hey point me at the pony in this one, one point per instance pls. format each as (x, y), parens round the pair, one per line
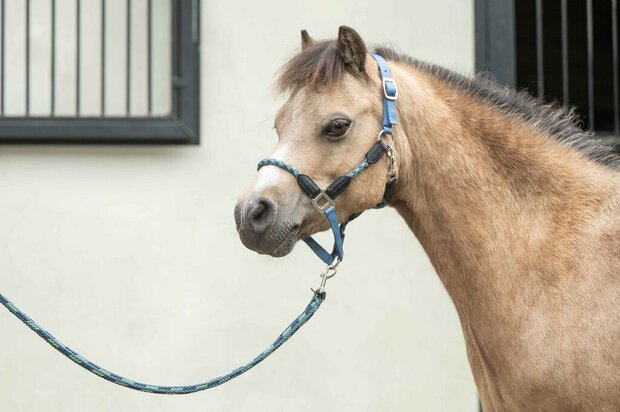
(514, 204)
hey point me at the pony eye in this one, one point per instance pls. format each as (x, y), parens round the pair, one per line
(337, 128)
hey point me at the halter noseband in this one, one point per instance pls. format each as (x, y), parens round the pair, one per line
(324, 200)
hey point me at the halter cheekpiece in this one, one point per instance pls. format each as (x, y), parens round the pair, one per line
(323, 200)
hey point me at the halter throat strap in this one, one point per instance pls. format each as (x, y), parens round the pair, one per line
(324, 200)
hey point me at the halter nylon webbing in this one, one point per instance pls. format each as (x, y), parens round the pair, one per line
(390, 94)
(328, 196)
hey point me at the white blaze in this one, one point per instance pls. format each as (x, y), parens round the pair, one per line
(273, 176)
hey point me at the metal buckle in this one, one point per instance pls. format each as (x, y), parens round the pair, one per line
(387, 95)
(327, 202)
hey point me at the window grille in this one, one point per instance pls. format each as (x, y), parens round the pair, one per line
(561, 50)
(99, 71)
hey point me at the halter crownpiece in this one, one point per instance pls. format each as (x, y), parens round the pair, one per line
(323, 200)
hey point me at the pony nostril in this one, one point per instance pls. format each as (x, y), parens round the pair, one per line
(261, 213)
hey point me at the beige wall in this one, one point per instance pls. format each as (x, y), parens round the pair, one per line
(130, 256)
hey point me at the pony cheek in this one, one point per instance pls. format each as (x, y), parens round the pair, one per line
(313, 222)
(363, 194)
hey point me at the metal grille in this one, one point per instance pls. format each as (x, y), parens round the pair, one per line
(561, 50)
(99, 71)
(568, 51)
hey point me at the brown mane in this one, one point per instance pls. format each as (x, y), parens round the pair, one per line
(320, 65)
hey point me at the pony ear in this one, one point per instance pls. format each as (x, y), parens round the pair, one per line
(306, 40)
(351, 48)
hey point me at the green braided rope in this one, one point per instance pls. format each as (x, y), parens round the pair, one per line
(295, 172)
(297, 323)
(281, 164)
(358, 169)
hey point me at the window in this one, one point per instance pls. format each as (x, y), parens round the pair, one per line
(103, 71)
(561, 50)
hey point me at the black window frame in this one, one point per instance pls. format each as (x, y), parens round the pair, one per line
(495, 40)
(182, 126)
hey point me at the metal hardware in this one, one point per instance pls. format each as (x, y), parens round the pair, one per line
(392, 158)
(326, 202)
(383, 133)
(329, 273)
(392, 82)
(389, 152)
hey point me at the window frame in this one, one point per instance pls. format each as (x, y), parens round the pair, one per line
(496, 39)
(182, 126)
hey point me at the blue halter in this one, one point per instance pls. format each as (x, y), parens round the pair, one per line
(324, 200)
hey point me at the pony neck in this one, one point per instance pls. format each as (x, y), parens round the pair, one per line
(486, 193)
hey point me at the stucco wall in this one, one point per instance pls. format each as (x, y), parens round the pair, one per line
(130, 255)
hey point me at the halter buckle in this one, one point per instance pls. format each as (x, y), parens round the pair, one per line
(390, 90)
(322, 202)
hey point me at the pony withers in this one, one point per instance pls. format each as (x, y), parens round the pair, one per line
(513, 203)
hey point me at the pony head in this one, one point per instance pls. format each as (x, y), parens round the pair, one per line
(332, 117)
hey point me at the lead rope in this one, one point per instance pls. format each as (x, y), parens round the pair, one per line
(297, 323)
(323, 201)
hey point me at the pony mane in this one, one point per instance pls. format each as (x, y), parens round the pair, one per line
(317, 65)
(320, 65)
